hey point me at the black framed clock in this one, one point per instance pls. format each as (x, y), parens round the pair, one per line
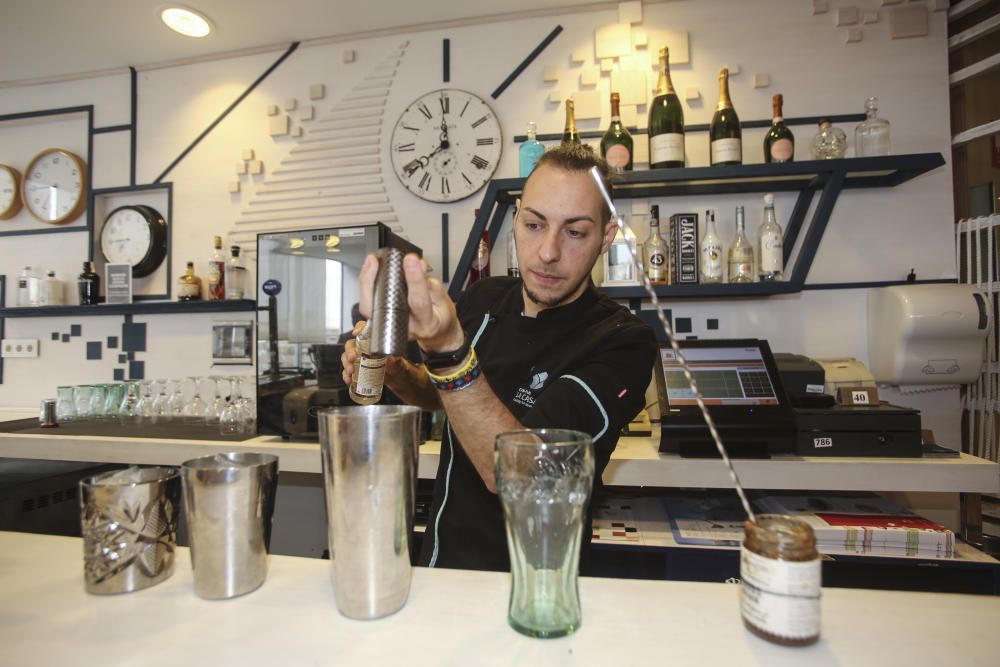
(446, 145)
(136, 235)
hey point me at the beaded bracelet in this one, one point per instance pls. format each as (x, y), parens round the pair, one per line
(459, 379)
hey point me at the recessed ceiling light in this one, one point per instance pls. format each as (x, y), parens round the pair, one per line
(186, 21)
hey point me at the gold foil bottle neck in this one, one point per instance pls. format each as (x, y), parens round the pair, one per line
(724, 101)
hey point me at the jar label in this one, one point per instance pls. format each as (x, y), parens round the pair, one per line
(666, 148)
(371, 376)
(617, 156)
(782, 149)
(781, 597)
(727, 150)
(771, 252)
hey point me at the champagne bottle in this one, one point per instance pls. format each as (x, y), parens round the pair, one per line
(616, 146)
(570, 134)
(666, 121)
(711, 252)
(530, 152)
(740, 253)
(770, 241)
(369, 371)
(779, 142)
(725, 133)
(655, 251)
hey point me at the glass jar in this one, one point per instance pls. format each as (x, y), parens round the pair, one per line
(780, 570)
(871, 136)
(829, 143)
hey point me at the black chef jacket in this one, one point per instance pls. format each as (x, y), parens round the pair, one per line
(582, 366)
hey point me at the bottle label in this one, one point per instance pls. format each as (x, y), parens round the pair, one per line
(771, 252)
(617, 156)
(781, 597)
(657, 269)
(188, 290)
(727, 150)
(371, 376)
(711, 260)
(666, 148)
(740, 268)
(216, 283)
(782, 150)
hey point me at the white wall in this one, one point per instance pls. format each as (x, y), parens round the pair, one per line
(873, 235)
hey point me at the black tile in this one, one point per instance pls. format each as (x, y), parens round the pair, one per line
(119, 374)
(75, 330)
(134, 336)
(682, 325)
(130, 356)
(712, 324)
(137, 370)
(93, 350)
(65, 338)
(55, 335)
(122, 358)
(690, 338)
(112, 342)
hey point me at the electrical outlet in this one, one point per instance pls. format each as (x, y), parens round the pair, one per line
(19, 347)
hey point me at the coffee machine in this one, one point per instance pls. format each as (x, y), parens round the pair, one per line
(307, 306)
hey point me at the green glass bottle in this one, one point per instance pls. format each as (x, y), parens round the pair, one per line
(666, 121)
(779, 142)
(570, 134)
(725, 133)
(616, 145)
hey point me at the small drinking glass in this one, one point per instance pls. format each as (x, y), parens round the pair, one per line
(544, 478)
(161, 404)
(145, 405)
(175, 403)
(195, 406)
(218, 403)
(230, 420)
(65, 406)
(128, 410)
(113, 399)
(98, 396)
(81, 398)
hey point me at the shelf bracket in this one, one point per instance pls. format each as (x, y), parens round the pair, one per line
(820, 217)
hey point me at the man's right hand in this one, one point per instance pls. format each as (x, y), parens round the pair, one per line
(350, 354)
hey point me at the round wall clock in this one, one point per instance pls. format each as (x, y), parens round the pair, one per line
(10, 192)
(55, 186)
(446, 145)
(135, 235)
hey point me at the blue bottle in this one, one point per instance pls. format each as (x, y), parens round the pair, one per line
(530, 151)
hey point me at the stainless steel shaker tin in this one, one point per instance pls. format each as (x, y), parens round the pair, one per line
(390, 310)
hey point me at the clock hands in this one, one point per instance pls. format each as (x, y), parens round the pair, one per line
(413, 165)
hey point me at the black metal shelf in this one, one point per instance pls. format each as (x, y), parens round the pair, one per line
(828, 177)
(137, 308)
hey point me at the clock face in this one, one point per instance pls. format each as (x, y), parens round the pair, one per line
(10, 192)
(446, 145)
(134, 235)
(54, 188)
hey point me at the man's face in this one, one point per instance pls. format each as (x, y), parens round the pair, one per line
(560, 234)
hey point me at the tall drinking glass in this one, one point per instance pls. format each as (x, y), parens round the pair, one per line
(113, 400)
(65, 405)
(98, 396)
(81, 397)
(128, 410)
(544, 478)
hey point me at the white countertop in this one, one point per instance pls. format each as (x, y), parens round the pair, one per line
(452, 617)
(635, 462)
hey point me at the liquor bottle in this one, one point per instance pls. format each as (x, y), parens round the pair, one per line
(740, 253)
(481, 263)
(655, 252)
(779, 142)
(217, 272)
(725, 133)
(88, 284)
(711, 252)
(530, 152)
(770, 242)
(513, 270)
(829, 143)
(235, 274)
(27, 288)
(871, 136)
(570, 134)
(369, 371)
(616, 145)
(666, 121)
(51, 293)
(189, 285)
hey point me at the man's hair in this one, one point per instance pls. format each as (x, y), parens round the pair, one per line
(579, 157)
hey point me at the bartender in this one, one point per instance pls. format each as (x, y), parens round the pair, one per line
(545, 350)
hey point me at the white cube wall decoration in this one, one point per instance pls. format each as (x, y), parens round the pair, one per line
(629, 115)
(240, 168)
(290, 104)
(607, 64)
(640, 38)
(349, 55)
(630, 12)
(234, 186)
(734, 69)
(640, 150)
(556, 96)
(847, 16)
(852, 35)
(278, 125)
(296, 131)
(869, 17)
(821, 6)
(317, 91)
(588, 104)
(692, 94)
(761, 80)
(550, 74)
(246, 154)
(255, 167)
(630, 85)
(590, 75)
(941, 5)
(908, 22)
(613, 40)
(675, 40)
(580, 55)
(272, 109)
(307, 112)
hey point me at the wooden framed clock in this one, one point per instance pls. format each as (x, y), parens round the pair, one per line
(446, 145)
(10, 192)
(54, 188)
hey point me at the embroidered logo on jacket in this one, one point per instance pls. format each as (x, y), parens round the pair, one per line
(526, 395)
(537, 380)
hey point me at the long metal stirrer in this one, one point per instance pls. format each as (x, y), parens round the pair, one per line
(648, 286)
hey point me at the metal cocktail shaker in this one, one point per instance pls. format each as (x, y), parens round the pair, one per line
(369, 470)
(390, 310)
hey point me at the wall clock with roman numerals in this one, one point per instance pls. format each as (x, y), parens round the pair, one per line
(446, 145)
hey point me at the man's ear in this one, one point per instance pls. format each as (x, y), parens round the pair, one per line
(610, 230)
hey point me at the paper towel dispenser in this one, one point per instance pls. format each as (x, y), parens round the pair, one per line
(927, 334)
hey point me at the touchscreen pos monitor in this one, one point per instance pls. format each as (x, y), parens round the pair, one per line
(739, 384)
